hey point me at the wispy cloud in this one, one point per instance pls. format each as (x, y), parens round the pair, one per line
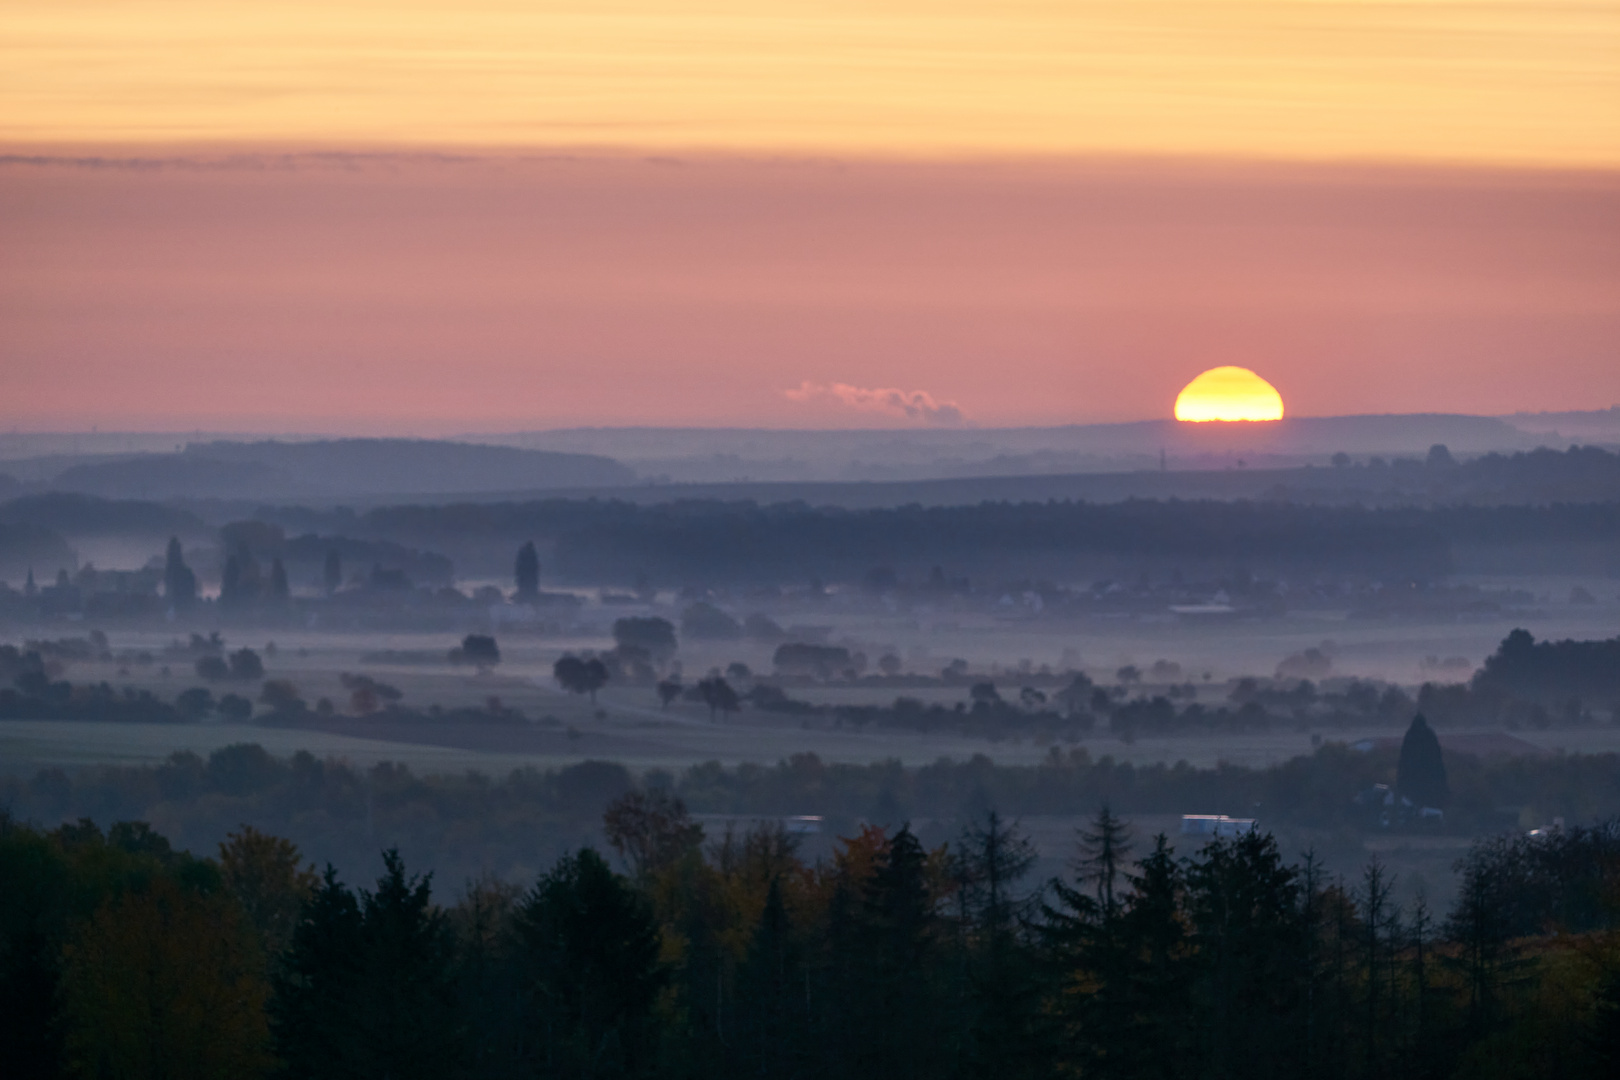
(907, 404)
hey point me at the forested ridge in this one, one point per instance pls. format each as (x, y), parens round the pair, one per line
(466, 824)
(733, 956)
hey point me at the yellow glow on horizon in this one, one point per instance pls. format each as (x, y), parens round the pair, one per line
(1476, 81)
(1228, 393)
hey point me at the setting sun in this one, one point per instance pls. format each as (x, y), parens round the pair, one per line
(1229, 393)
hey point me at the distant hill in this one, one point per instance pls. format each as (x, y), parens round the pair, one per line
(338, 468)
(81, 516)
(1536, 478)
(724, 455)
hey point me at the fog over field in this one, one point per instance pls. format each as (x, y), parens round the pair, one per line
(1205, 611)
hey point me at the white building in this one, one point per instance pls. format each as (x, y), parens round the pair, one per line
(1217, 825)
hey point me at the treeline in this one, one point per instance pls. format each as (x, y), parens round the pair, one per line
(1527, 683)
(121, 957)
(469, 824)
(685, 541)
(1018, 710)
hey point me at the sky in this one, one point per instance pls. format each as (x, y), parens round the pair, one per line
(416, 217)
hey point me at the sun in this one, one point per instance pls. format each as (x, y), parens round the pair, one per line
(1229, 393)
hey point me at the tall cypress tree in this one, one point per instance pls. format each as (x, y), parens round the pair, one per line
(527, 572)
(1421, 773)
(179, 583)
(279, 589)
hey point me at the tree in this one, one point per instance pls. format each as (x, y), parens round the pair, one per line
(580, 676)
(242, 581)
(368, 990)
(332, 572)
(1002, 992)
(407, 1013)
(651, 830)
(896, 939)
(313, 1011)
(1077, 695)
(163, 982)
(527, 573)
(705, 621)
(668, 691)
(1244, 907)
(653, 635)
(179, 582)
(212, 668)
(264, 874)
(245, 665)
(771, 992)
(367, 695)
(1421, 773)
(281, 696)
(1104, 851)
(718, 695)
(479, 650)
(279, 589)
(590, 948)
(984, 694)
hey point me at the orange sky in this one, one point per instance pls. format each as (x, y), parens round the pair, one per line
(800, 213)
(398, 294)
(1514, 81)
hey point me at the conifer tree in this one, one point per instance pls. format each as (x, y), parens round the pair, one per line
(407, 1011)
(1002, 992)
(279, 589)
(179, 583)
(771, 995)
(1420, 774)
(311, 1013)
(590, 948)
(527, 572)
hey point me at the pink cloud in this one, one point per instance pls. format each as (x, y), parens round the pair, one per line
(909, 404)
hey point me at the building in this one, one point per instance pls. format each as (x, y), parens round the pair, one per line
(1217, 825)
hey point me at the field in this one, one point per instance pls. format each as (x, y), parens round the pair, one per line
(626, 724)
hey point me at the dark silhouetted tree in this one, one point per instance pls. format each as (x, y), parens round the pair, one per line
(212, 668)
(367, 988)
(1002, 994)
(479, 650)
(580, 676)
(527, 573)
(279, 589)
(590, 948)
(770, 994)
(653, 635)
(707, 622)
(332, 572)
(246, 665)
(1421, 772)
(312, 1014)
(718, 695)
(179, 583)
